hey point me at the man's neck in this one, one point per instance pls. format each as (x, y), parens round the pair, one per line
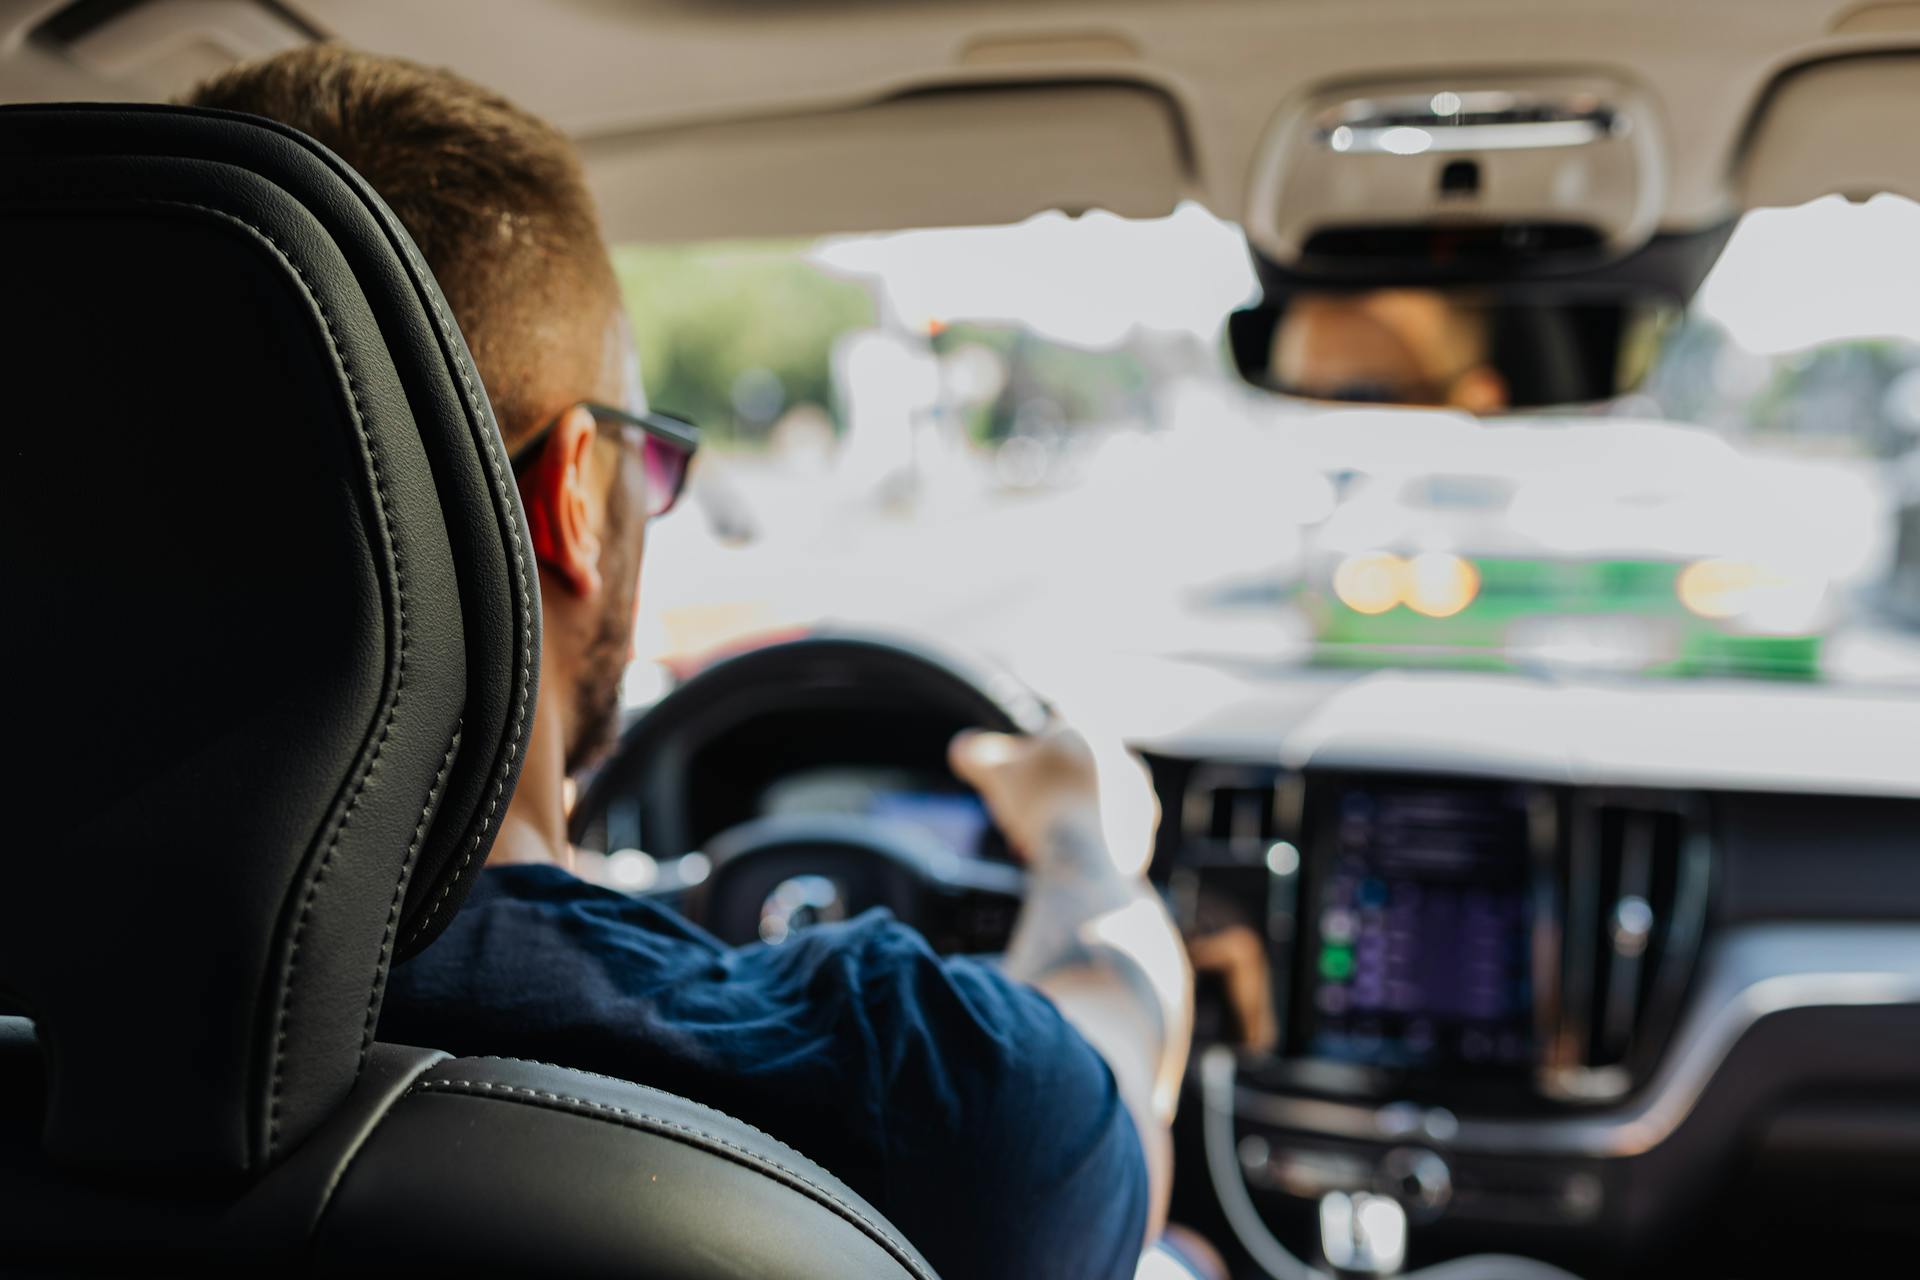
(534, 828)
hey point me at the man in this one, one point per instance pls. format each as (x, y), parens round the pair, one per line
(1011, 1121)
(1388, 346)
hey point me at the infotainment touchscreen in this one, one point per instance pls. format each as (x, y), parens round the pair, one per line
(1418, 929)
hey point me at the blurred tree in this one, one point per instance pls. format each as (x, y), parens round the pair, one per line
(1836, 392)
(710, 319)
(1078, 386)
(1832, 395)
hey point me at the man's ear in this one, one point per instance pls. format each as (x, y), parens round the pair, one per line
(558, 493)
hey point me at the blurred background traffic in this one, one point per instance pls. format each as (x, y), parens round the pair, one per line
(1000, 437)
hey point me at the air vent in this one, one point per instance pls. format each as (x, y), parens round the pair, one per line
(1636, 900)
(1238, 810)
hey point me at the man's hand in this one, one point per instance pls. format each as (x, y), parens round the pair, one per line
(1092, 933)
(1034, 787)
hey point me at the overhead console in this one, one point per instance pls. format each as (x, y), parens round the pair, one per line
(1489, 243)
(1494, 167)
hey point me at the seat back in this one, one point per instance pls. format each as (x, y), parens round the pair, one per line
(273, 623)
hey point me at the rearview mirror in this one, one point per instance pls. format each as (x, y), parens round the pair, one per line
(1477, 349)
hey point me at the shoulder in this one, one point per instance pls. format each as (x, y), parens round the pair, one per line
(545, 898)
(535, 946)
(955, 1098)
(1006, 1137)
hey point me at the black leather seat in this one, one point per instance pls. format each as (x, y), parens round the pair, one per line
(272, 630)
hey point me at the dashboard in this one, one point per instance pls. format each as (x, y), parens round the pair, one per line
(931, 803)
(1598, 973)
(1464, 936)
(1596, 1021)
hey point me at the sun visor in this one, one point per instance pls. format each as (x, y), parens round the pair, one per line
(1843, 127)
(972, 156)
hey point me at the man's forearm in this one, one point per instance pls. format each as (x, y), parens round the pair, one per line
(1100, 943)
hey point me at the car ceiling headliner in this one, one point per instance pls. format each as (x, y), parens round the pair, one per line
(608, 70)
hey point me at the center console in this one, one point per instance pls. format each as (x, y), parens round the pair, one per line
(1423, 942)
(1465, 975)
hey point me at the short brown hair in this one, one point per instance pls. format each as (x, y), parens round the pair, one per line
(495, 198)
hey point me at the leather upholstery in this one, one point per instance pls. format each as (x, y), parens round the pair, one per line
(487, 1166)
(271, 585)
(616, 1171)
(62, 1218)
(273, 629)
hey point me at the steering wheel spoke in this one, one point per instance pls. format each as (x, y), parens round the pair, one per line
(785, 707)
(774, 876)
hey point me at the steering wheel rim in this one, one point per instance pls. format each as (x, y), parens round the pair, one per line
(956, 901)
(971, 691)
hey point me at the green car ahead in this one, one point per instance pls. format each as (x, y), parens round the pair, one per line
(1516, 557)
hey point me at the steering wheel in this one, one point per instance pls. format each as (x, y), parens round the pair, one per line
(771, 876)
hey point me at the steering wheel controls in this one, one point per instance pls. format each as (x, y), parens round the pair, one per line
(797, 903)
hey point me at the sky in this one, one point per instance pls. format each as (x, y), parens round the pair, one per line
(1825, 271)
(1789, 278)
(1086, 281)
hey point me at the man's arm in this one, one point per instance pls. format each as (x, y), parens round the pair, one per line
(1092, 935)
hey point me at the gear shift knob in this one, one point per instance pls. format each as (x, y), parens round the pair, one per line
(1363, 1234)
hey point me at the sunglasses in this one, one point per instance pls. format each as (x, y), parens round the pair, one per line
(667, 445)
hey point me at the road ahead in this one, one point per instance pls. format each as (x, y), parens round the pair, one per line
(1129, 567)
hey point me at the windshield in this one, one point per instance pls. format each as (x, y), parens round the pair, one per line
(1028, 440)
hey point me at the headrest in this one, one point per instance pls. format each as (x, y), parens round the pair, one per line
(272, 625)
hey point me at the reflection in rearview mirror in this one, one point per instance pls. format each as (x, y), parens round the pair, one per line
(1457, 348)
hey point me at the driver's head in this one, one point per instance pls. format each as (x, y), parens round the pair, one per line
(498, 204)
(1388, 346)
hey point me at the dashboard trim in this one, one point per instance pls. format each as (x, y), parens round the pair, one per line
(1747, 975)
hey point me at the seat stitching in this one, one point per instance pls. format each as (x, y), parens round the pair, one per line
(345, 1168)
(741, 1154)
(400, 675)
(614, 1080)
(490, 446)
(400, 891)
(455, 351)
(358, 411)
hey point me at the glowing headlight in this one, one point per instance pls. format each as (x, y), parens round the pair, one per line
(1440, 584)
(1372, 581)
(1758, 598)
(1717, 588)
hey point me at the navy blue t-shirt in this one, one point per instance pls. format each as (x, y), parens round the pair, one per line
(955, 1100)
